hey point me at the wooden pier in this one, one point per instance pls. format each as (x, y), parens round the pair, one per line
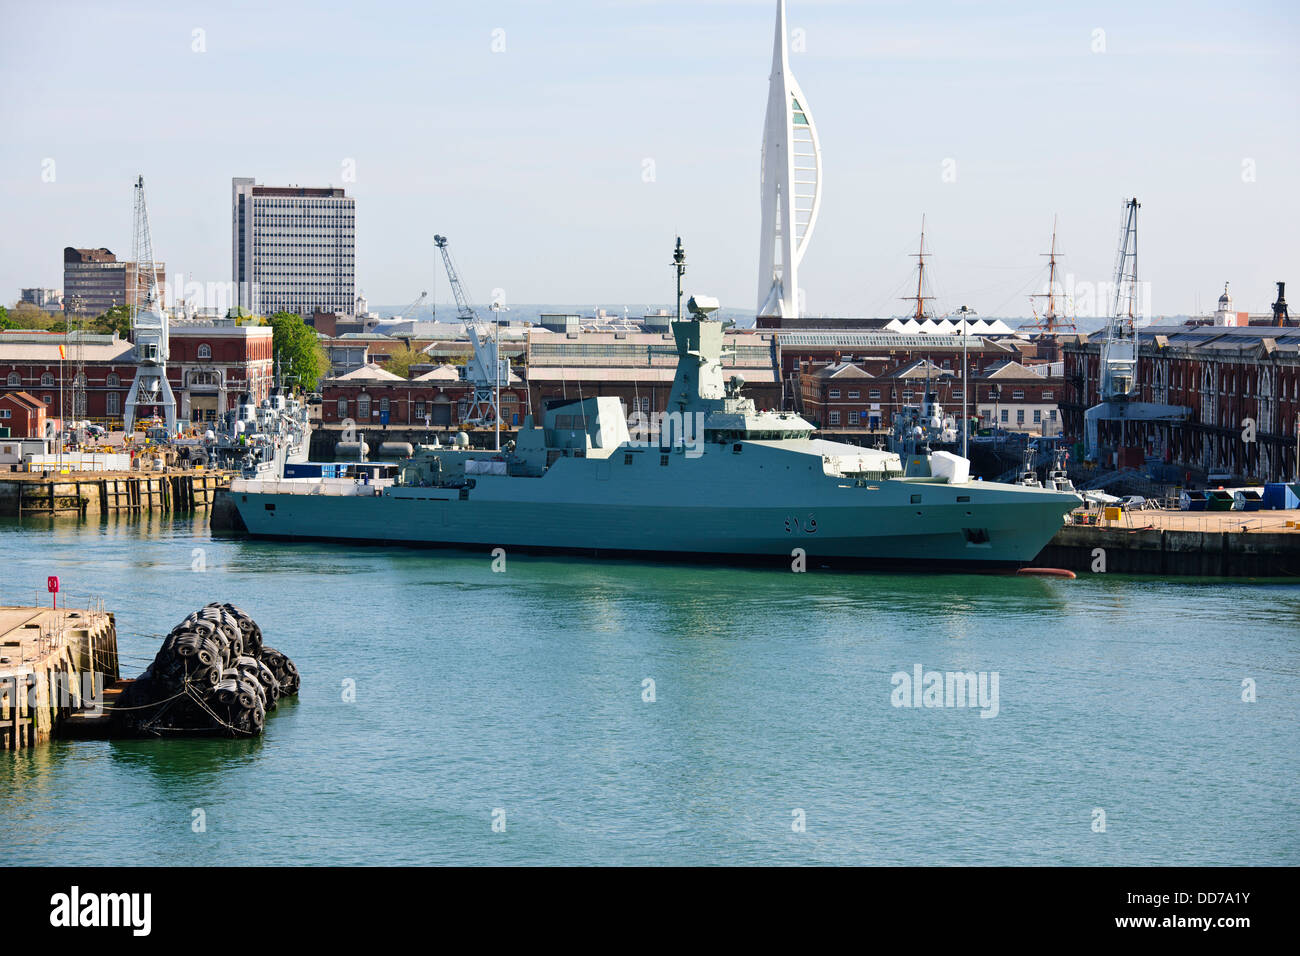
(84, 493)
(54, 665)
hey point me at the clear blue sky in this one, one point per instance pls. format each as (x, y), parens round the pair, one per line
(532, 159)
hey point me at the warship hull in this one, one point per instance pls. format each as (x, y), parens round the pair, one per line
(605, 507)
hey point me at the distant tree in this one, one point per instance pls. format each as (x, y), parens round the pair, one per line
(298, 348)
(5, 321)
(116, 320)
(400, 362)
(24, 315)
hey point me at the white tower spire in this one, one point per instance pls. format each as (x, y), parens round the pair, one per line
(791, 184)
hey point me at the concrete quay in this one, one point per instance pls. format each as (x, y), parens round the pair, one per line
(54, 665)
(1227, 544)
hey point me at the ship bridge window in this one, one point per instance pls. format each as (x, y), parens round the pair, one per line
(627, 458)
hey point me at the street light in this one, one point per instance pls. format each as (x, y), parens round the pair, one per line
(996, 392)
(965, 314)
(497, 309)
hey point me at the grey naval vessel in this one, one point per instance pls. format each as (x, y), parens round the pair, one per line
(722, 480)
(259, 440)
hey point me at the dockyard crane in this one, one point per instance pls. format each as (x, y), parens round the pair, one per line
(486, 370)
(1117, 378)
(410, 309)
(149, 328)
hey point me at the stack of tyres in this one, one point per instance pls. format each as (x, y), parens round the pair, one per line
(212, 675)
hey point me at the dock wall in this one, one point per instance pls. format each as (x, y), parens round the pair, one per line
(1229, 554)
(53, 666)
(92, 493)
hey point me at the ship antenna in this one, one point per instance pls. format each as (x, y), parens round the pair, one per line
(679, 264)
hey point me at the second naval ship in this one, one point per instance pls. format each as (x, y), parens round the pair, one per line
(721, 481)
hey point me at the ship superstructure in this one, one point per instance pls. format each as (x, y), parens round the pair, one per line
(260, 439)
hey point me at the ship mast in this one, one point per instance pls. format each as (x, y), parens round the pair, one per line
(1050, 323)
(918, 313)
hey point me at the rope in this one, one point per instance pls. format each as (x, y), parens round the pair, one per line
(157, 703)
(206, 709)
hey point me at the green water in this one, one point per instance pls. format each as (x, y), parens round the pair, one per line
(523, 692)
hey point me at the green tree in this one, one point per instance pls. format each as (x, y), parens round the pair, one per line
(24, 315)
(5, 321)
(400, 361)
(115, 320)
(298, 349)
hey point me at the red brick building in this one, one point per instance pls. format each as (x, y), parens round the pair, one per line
(209, 368)
(22, 414)
(372, 396)
(881, 352)
(1006, 394)
(1242, 385)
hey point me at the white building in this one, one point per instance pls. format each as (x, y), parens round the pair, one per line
(1224, 315)
(49, 299)
(292, 248)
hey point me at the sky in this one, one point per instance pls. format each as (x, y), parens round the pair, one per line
(563, 146)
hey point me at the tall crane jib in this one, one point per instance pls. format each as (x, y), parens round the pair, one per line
(1119, 351)
(485, 371)
(149, 329)
(1135, 425)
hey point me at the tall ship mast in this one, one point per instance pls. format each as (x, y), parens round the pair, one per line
(920, 311)
(1053, 320)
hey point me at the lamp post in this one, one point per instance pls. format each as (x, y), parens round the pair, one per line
(497, 309)
(965, 314)
(996, 390)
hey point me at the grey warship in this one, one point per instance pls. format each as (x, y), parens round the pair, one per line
(722, 481)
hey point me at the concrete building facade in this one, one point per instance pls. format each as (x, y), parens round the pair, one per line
(292, 248)
(101, 281)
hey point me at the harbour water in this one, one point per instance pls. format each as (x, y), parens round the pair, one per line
(524, 693)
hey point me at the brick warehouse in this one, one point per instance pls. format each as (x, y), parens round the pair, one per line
(1003, 390)
(210, 367)
(1229, 378)
(372, 396)
(1006, 394)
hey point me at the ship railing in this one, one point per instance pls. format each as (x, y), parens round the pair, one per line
(329, 487)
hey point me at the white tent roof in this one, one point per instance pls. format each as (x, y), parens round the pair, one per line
(371, 372)
(950, 327)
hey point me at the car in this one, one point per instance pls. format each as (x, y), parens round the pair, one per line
(96, 431)
(1132, 502)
